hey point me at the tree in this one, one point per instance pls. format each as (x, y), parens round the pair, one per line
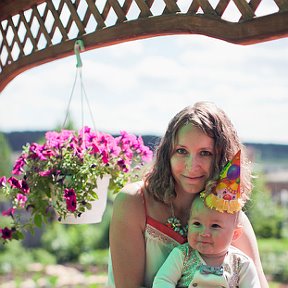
(265, 215)
(5, 156)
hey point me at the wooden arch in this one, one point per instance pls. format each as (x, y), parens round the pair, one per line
(33, 32)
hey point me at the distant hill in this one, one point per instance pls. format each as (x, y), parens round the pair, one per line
(268, 153)
(17, 140)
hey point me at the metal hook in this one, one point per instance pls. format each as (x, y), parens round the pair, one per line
(78, 47)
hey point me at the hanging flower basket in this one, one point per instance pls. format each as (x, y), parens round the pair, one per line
(61, 175)
(97, 209)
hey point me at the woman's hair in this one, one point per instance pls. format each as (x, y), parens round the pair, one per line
(213, 121)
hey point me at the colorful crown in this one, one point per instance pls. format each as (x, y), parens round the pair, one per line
(226, 196)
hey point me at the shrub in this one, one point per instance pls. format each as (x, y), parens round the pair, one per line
(274, 258)
(68, 242)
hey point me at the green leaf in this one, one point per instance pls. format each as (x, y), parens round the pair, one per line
(18, 235)
(38, 220)
(88, 206)
(93, 194)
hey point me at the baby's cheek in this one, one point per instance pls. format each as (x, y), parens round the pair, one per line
(191, 238)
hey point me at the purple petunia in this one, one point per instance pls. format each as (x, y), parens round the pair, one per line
(6, 233)
(70, 198)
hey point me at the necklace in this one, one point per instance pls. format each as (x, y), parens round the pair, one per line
(175, 224)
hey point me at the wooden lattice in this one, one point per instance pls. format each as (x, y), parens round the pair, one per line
(35, 32)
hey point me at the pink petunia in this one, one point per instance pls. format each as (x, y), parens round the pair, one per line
(21, 200)
(146, 154)
(9, 212)
(19, 184)
(19, 164)
(15, 183)
(105, 157)
(45, 173)
(24, 187)
(48, 153)
(94, 149)
(3, 181)
(70, 198)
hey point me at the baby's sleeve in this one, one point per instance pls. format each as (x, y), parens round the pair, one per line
(248, 276)
(171, 270)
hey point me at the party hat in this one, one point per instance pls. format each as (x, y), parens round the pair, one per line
(226, 196)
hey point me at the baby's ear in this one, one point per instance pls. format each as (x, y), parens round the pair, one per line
(237, 232)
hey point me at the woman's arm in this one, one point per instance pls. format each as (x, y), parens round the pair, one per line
(127, 243)
(248, 244)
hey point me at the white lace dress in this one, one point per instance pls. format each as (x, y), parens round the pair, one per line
(160, 241)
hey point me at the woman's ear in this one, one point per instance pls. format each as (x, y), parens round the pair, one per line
(237, 232)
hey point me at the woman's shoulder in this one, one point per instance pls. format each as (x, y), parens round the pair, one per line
(130, 202)
(133, 188)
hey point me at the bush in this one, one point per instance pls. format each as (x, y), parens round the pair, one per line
(14, 258)
(68, 242)
(94, 258)
(274, 258)
(44, 257)
(266, 216)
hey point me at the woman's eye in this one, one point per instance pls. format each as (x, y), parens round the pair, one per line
(206, 153)
(181, 151)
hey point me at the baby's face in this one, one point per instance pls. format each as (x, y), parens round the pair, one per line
(210, 232)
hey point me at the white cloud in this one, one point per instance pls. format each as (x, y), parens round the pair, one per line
(139, 86)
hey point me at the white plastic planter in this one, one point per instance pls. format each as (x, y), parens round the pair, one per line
(95, 214)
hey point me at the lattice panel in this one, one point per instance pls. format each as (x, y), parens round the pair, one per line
(47, 31)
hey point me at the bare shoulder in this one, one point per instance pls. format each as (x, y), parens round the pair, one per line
(129, 204)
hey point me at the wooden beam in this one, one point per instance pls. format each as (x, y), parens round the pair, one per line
(13, 7)
(246, 33)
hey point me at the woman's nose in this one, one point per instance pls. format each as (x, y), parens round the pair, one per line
(190, 162)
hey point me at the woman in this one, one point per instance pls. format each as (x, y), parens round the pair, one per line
(150, 218)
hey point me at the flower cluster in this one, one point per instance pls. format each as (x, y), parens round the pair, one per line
(61, 174)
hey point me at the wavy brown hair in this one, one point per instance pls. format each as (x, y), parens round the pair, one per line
(213, 121)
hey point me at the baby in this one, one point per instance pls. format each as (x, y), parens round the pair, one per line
(208, 259)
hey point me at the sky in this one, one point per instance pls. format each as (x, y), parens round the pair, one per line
(139, 86)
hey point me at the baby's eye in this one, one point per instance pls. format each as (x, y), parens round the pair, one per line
(196, 224)
(215, 226)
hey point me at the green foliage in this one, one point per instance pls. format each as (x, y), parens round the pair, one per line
(14, 257)
(5, 156)
(64, 171)
(42, 256)
(69, 242)
(94, 258)
(265, 215)
(274, 258)
(5, 160)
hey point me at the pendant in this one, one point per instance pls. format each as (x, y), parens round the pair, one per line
(175, 224)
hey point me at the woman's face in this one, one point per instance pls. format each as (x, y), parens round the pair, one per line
(191, 159)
